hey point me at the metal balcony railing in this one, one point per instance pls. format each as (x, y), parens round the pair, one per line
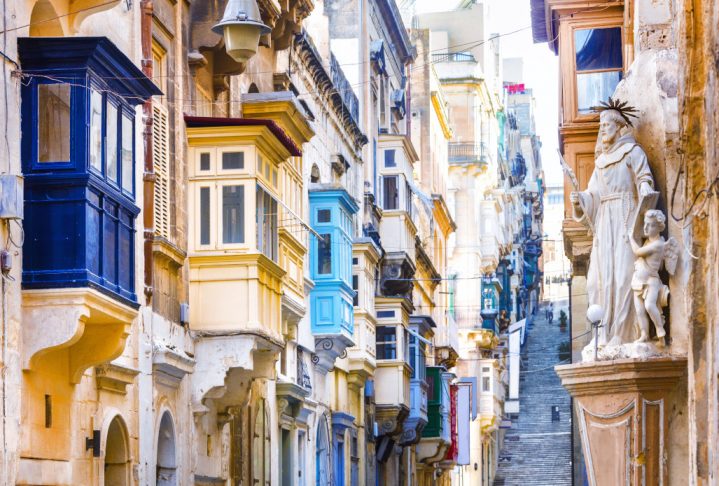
(453, 57)
(467, 153)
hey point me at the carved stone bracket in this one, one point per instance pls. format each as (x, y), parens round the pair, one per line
(397, 273)
(328, 349)
(114, 378)
(391, 418)
(170, 365)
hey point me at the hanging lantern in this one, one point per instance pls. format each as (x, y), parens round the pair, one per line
(241, 27)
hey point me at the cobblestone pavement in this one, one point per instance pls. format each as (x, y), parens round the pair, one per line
(537, 451)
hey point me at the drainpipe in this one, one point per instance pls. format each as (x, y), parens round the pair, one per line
(148, 178)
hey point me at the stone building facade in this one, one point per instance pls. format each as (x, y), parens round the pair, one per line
(663, 53)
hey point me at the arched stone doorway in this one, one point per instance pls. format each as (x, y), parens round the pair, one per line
(117, 454)
(166, 474)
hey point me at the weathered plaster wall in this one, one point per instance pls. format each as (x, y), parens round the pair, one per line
(698, 38)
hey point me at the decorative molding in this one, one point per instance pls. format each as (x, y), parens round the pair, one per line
(114, 377)
(391, 418)
(170, 365)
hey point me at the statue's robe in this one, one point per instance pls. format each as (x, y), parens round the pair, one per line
(608, 204)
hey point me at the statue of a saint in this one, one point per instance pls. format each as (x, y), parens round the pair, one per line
(621, 177)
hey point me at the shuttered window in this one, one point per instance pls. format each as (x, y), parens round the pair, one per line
(161, 162)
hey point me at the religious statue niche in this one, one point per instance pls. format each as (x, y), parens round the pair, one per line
(618, 206)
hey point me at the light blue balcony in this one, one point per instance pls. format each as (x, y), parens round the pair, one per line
(332, 316)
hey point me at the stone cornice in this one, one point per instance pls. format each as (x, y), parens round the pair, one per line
(626, 375)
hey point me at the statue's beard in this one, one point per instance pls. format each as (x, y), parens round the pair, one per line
(608, 143)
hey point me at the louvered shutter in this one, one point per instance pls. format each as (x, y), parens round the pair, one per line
(161, 162)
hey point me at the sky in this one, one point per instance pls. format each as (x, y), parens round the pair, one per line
(541, 70)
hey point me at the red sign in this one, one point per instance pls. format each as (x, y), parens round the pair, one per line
(515, 88)
(453, 448)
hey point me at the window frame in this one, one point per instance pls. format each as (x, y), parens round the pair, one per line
(398, 198)
(605, 19)
(393, 345)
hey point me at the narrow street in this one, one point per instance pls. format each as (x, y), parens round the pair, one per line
(537, 451)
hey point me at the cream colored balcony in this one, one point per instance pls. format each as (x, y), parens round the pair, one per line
(393, 373)
(236, 281)
(491, 396)
(363, 355)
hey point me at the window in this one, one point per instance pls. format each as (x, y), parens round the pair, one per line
(233, 214)
(204, 215)
(355, 287)
(389, 158)
(111, 142)
(324, 216)
(127, 154)
(53, 123)
(96, 130)
(267, 239)
(324, 254)
(390, 191)
(598, 57)
(233, 160)
(386, 342)
(408, 195)
(261, 450)
(205, 161)
(485, 383)
(417, 357)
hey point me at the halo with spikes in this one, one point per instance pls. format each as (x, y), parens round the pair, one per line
(622, 107)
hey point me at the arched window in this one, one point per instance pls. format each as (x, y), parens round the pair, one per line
(261, 452)
(322, 453)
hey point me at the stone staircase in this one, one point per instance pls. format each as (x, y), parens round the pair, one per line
(537, 451)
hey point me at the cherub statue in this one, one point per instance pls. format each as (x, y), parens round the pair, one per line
(650, 294)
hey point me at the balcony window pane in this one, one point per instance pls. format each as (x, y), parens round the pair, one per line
(386, 343)
(233, 214)
(324, 216)
(598, 49)
(233, 160)
(324, 255)
(389, 158)
(595, 87)
(96, 131)
(204, 215)
(111, 141)
(128, 166)
(205, 161)
(390, 192)
(53, 123)
(355, 287)
(267, 241)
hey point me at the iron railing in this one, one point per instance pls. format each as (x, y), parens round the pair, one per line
(453, 57)
(465, 153)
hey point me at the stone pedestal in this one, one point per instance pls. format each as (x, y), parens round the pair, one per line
(621, 409)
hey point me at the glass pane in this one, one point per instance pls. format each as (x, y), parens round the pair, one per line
(233, 214)
(595, 87)
(233, 160)
(204, 215)
(324, 255)
(111, 141)
(96, 131)
(598, 49)
(391, 193)
(324, 216)
(204, 161)
(355, 287)
(389, 158)
(128, 166)
(53, 123)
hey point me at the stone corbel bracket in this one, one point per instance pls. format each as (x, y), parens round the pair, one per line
(170, 365)
(328, 349)
(82, 9)
(226, 364)
(91, 325)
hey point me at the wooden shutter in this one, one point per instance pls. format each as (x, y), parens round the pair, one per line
(161, 163)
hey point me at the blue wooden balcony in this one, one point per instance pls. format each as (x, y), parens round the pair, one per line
(78, 157)
(331, 308)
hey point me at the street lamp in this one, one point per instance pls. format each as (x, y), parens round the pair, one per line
(241, 27)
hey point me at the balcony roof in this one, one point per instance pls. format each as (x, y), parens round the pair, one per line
(282, 137)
